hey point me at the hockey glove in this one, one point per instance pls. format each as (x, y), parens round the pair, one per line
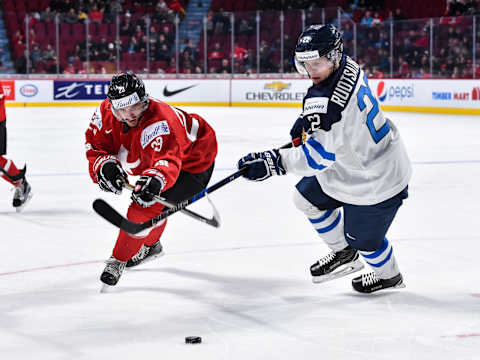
(146, 188)
(111, 177)
(309, 124)
(262, 165)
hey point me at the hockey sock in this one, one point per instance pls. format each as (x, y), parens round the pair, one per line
(9, 167)
(382, 261)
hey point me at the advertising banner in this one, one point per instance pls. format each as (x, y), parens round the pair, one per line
(80, 90)
(190, 91)
(32, 91)
(8, 89)
(283, 92)
(427, 94)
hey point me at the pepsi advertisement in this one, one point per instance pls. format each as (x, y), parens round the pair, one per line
(80, 90)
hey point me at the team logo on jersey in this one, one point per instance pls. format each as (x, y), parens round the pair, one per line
(381, 91)
(152, 131)
(157, 144)
(122, 157)
(277, 86)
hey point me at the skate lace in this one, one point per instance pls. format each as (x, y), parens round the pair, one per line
(114, 267)
(369, 279)
(140, 255)
(326, 259)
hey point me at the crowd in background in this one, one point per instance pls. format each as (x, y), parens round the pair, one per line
(155, 46)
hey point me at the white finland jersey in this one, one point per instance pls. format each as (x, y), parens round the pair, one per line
(361, 158)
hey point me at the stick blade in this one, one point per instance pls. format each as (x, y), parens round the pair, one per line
(103, 209)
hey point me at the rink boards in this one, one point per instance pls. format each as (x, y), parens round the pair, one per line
(415, 95)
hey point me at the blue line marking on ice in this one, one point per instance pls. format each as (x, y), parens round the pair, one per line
(447, 162)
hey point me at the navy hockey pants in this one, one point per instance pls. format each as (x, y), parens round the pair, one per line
(365, 226)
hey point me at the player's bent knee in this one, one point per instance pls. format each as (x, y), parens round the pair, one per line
(303, 204)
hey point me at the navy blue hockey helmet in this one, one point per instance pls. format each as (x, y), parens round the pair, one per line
(126, 89)
(317, 41)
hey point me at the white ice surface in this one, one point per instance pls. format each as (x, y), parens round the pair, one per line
(245, 288)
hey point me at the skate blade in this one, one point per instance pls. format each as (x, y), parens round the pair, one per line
(400, 286)
(346, 269)
(20, 208)
(105, 289)
(145, 261)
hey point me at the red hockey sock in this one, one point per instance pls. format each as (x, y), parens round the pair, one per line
(128, 245)
(9, 167)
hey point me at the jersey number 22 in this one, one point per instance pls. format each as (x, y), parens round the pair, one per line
(364, 90)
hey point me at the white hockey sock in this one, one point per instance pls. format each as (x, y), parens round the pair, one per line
(327, 223)
(382, 261)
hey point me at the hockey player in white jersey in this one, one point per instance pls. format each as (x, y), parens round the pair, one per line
(354, 165)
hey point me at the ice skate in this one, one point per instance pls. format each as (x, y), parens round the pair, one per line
(368, 283)
(146, 254)
(335, 265)
(22, 195)
(112, 272)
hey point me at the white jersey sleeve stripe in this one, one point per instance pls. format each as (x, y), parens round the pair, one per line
(320, 149)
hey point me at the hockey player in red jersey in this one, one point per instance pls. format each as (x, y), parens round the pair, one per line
(171, 151)
(8, 170)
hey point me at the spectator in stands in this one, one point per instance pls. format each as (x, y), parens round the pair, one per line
(126, 26)
(246, 28)
(168, 33)
(47, 16)
(132, 46)
(367, 19)
(376, 20)
(398, 15)
(81, 15)
(49, 53)
(239, 55)
(190, 51)
(403, 68)
(266, 56)
(225, 67)
(51, 67)
(216, 53)
(162, 13)
(70, 17)
(96, 15)
(171, 69)
(69, 69)
(138, 32)
(221, 22)
(163, 53)
(153, 35)
(36, 55)
(162, 41)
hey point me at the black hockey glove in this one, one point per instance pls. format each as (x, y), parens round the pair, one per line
(111, 177)
(146, 188)
(309, 124)
(262, 165)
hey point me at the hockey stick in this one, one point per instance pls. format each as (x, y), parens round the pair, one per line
(17, 177)
(213, 221)
(103, 209)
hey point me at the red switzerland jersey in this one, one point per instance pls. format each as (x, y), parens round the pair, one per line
(165, 141)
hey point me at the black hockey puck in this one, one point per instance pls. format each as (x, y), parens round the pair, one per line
(193, 340)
